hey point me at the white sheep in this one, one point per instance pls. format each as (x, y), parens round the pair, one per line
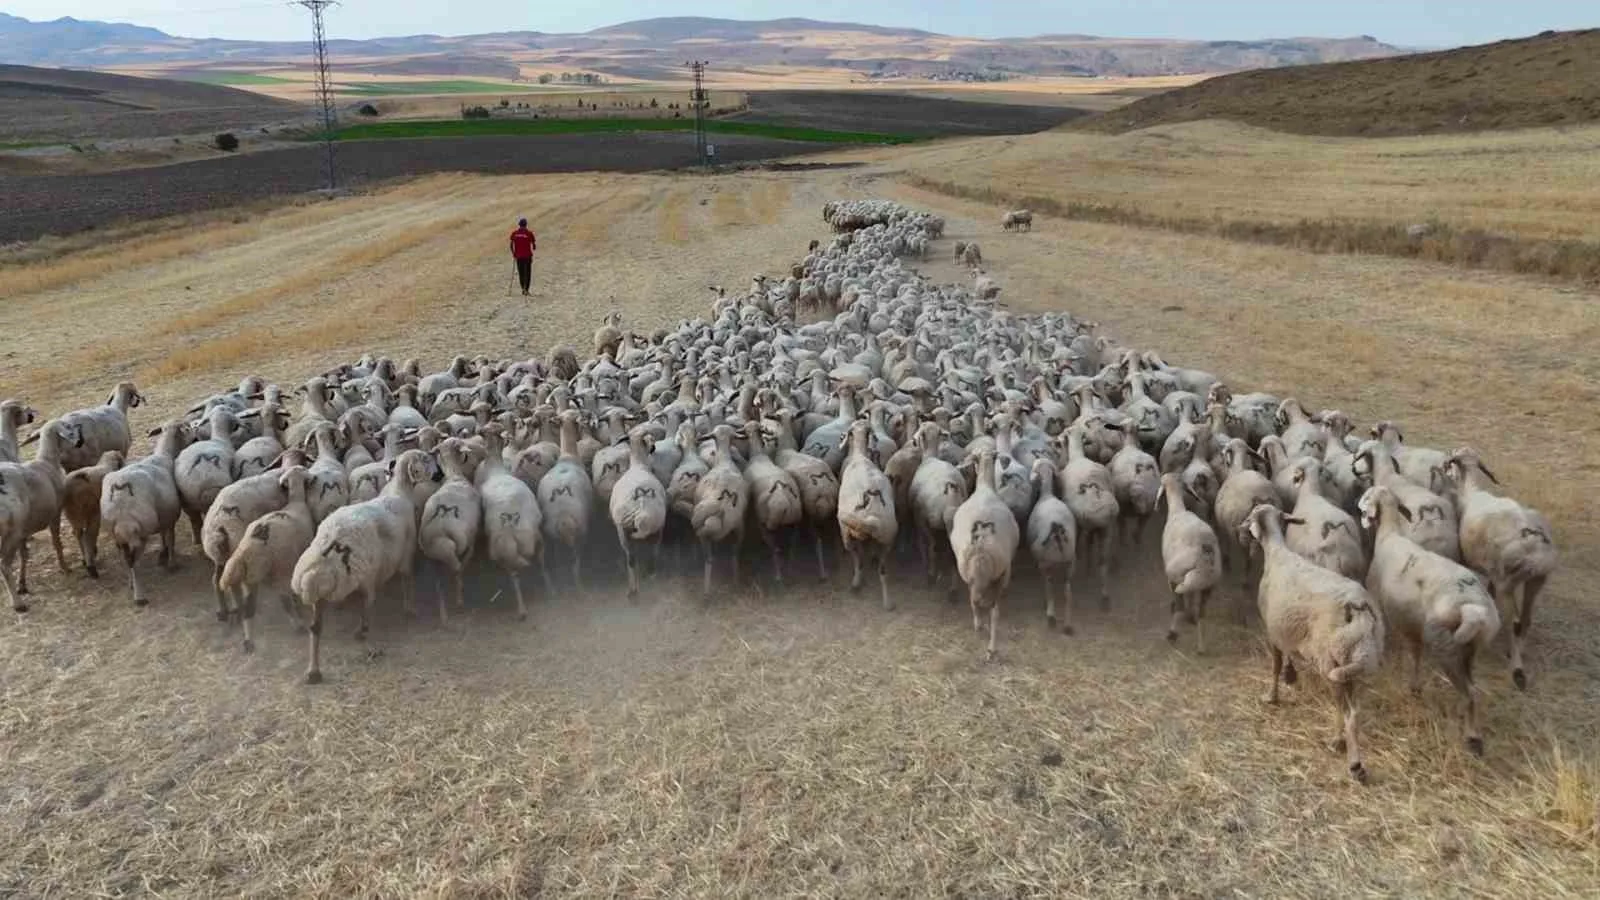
(448, 534)
(13, 415)
(720, 505)
(259, 453)
(1086, 487)
(1320, 621)
(867, 522)
(140, 500)
(1192, 558)
(205, 467)
(358, 549)
(775, 502)
(1017, 220)
(1053, 543)
(102, 428)
(638, 503)
(984, 537)
(1433, 521)
(1328, 537)
(266, 556)
(1243, 489)
(937, 490)
(512, 522)
(1508, 543)
(30, 501)
(1431, 604)
(819, 487)
(329, 487)
(566, 496)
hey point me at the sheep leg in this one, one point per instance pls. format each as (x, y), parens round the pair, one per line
(55, 538)
(977, 616)
(247, 614)
(516, 588)
(738, 548)
(577, 567)
(855, 558)
(1458, 669)
(1103, 547)
(1277, 672)
(169, 549)
(1066, 601)
(369, 602)
(1523, 598)
(130, 555)
(655, 554)
(89, 546)
(1415, 648)
(22, 577)
(1348, 741)
(822, 561)
(705, 589)
(1049, 599)
(994, 629)
(627, 557)
(439, 593)
(314, 670)
(1199, 620)
(777, 554)
(1176, 607)
(196, 519)
(544, 573)
(11, 588)
(216, 589)
(883, 578)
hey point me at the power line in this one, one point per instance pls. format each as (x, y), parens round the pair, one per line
(319, 46)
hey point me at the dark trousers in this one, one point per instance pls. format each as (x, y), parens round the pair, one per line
(525, 272)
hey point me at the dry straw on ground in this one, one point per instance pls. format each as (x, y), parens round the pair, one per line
(794, 742)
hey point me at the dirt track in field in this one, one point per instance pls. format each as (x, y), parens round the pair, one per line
(789, 741)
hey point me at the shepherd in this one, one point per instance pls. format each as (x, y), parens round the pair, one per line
(522, 246)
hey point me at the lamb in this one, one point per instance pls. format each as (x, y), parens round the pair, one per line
(80, 501)
(775, 502)
(1433, 522)
(205, 467)
(1192, 557)
(1430, 603)
(1052, 541)
(638, 503)
(1508, 543)
(984, 536)
(140, 500)
(867, 522)
(1086, 486)
(512, 520)
(357, 550)
(101, 427)
(30, 502)
(451, 518)
(720, 503)
(1321, 621)
(266, 556)
(566, 495)
(1017, 220)
(1328, 537)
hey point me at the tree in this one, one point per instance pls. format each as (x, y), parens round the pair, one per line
(227, 142)
(546, 78)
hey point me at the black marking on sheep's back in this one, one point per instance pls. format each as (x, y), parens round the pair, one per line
(342, 549)
(981, 527)
(643, 491)
(229, 511)
(820, 478)
(785, 487)
(1057, 535)
(562, 491)
(445, 509)
(325, 487)
(1466, 583)
(1330, 527)
(950, 487)
(511, 518)
(729, 497)
(868, 497)
(1535, 532)
(115, 489)
(260, 531)
(1410, 561)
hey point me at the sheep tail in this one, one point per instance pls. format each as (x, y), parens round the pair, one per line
(1474, 627)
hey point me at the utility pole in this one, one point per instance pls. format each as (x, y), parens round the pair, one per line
(319, 46)
(698, 100)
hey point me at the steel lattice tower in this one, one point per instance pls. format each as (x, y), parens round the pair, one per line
(319, 45)
(698, 99)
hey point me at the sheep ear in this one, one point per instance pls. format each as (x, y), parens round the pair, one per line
(1405, 513)
(35, 436)
(151, 433)
(1293, 520)
(1485, 470)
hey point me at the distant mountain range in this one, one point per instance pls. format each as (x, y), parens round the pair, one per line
(656, 48)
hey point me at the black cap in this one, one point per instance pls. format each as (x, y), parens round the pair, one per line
(522, 223)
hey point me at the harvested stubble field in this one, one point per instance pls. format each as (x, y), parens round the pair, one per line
(787, 742)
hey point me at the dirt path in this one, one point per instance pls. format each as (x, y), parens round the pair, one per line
(790, 741)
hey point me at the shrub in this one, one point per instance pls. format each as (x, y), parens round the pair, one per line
(367, 109)
(227, 142)
(475, 112)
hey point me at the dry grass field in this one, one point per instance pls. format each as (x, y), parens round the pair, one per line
(801, 742)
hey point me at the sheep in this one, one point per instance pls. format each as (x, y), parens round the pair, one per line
(1017, 220)
(1430, 603)
(357, 550)
(451, 518)
(984, 537)
(972, 255)
(80, 502)
(1087, 489)
(1302, 435)
(317, 408)
(608, 337)
(720, 503)
(329, 487)
(1507, 543)
(1052, 542)
(429, 388)
(257, 454)
(1433, 521)
(102, 428)
(638, 503)
(140, 500)
(1416, 464)
(819, 487)
(937, 490)
(960, 251)
(1328, 537)
(30, 502)
(563, 363)
(1321, 621)
(1192, 558)
(867, 522)
(205, 467)
(13, 415)
(266, 555)
(775, 502)
(512, 522)
(566, 495)
(235, 507)
(1136, 479)
(983, 286)
(1242, 491)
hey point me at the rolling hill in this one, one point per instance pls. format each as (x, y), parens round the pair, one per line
(40, 105)
(1549, 79)
(656, 48)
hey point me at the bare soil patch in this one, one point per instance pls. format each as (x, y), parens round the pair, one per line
(902, 113)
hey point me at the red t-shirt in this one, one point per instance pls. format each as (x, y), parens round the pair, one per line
(523, 244)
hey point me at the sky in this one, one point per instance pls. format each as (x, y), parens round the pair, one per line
(1418, 23)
